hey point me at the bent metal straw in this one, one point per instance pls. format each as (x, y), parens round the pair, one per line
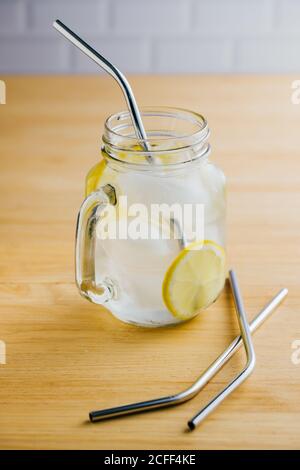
(249, 367)
(117, 75)
(204, 378)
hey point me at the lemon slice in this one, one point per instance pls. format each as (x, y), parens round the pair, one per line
(194, 279)
(94, 176)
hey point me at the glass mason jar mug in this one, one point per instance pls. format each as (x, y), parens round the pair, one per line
(150, 240)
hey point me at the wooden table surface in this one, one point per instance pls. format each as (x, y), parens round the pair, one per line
(66, 356)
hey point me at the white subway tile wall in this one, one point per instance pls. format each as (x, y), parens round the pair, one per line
(153, 36)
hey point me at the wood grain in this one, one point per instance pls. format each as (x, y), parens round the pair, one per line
(66, 356)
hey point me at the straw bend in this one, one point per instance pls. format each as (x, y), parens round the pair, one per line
(250, 353)
(116, 74)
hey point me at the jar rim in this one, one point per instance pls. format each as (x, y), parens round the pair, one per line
(175, 136)
(183, 140)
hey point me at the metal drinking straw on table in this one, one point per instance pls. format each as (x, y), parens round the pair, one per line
(117, 75)
(249, 367)
(204, 378)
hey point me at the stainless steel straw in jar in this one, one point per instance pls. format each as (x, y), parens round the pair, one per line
(117, 75)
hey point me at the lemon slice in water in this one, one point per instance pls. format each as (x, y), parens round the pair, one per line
(194, 279)
(94, 176)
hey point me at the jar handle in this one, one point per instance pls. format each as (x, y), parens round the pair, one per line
(89, 214)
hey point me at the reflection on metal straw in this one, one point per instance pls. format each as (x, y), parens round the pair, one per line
(249, 367)
(178, 232)
(204, 378)
(116, 74)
